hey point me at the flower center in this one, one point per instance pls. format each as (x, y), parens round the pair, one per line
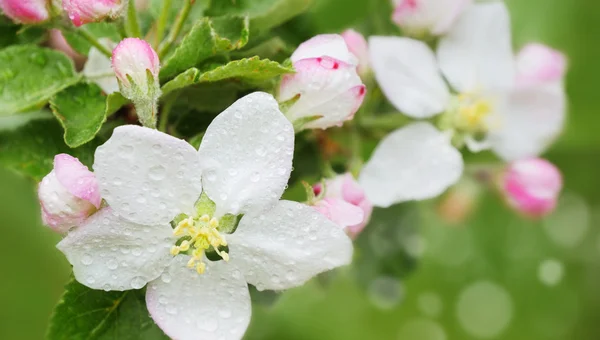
(472, 112)
(199, 235)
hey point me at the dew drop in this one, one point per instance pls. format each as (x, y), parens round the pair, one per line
(137, 282)
(86, 260)
(166, 277)
(171, 309)
(112, 264)
(157, 172)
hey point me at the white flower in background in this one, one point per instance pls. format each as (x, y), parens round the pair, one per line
(197, 273)
(344, 202)
(326, 90)
(98, 69)
(483, 109)
(422, 17)
(68, 195)
(532, 186)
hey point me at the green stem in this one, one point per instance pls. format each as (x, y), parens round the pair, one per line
(162, 22)
(181, 17)
(390, 121)
(132, 26)
(84, 33)
(356, 162)
(165, 112)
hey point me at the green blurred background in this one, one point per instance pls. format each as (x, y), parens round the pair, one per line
(495, 277)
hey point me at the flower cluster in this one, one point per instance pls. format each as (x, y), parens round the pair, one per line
(195, 226)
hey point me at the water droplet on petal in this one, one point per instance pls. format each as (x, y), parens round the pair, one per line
(137, 282)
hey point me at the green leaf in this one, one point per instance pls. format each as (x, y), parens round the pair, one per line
(84, 313)
(209, 37)
(31, 75)
(81, 110)
(98, 30)
(11, 34)
(252, 69)
(114, 102)
(264, 14)
(30, 149)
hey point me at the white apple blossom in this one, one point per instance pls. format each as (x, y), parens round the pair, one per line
(421, 17)
(197, 272)
(483, 108)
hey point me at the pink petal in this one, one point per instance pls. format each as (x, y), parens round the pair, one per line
(358, 46)
(133, 57)
(339, 212)
(77, 179)
(325, 45)
(85, 11)
(540, 64)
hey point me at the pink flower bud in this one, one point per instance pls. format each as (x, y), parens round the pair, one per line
(358, 46)
(539, 64)
(532, 186)
(419, 17)
(133, 57)
(85, 11)
(325, 45)
(344, 203)
(26, 11)
(68, 194)
(325, 90)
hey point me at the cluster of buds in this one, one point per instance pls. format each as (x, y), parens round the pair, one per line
(80, 12)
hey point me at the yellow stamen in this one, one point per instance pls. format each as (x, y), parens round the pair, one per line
(472, 113)
(203, 234)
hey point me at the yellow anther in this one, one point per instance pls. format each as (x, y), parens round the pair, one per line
(200, 268)
(203, 234)
(472, 113)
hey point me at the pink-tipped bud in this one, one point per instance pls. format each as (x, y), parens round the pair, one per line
(344, 203)
(326, 90)
(539, 64)
(136, 66)
(532, 186)
(422, 17)
(26, 11)
(68, 194)
(358, 46)
(85, 11)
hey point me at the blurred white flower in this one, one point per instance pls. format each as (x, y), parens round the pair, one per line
(422, 17)
(483, 109)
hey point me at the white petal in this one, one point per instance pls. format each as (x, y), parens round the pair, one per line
(413, 163)
(147, 176)
(287, 245)
(98, 69)
(477, 52)
(246, 155)
(529, 122)
(187, 305)
(325, 45)
(408, 75)
(475, 145)
(110, 253)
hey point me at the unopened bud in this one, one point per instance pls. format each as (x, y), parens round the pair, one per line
(26, 11)
(532, 186)
(136, 66)
(539, 64)
(68, 194)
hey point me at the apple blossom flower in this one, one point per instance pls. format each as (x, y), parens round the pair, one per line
(26, 11)
(532, 186)
(421, 17)
(326, 90)
(484, 109)
(98, 69)
(197, 273)
(68, 194)
(85, 11)
(136, 66)
(358, 46)
(344, 203)
(539, 64)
